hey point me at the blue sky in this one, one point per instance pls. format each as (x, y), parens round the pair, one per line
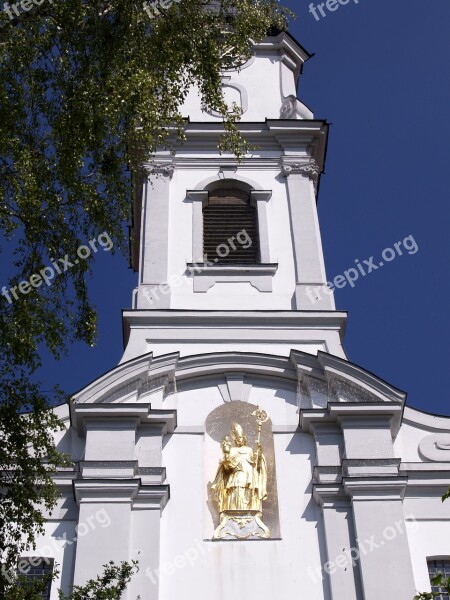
(380, 76)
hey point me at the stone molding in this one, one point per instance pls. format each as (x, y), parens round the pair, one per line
(159, 168)
(331, 496)
(123, 491)
(259, 276)
(377, 488)
(308, 169)
(436, 447)
(85, 413)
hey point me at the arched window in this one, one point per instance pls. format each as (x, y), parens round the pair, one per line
(230, 227)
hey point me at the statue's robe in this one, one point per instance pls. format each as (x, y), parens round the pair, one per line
(241, 484)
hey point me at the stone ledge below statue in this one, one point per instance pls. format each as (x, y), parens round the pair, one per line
(241, 525)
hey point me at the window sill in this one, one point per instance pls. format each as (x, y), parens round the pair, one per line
(206, 276)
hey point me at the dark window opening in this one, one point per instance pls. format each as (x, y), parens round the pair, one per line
(230, 228)
(34, 569)
(434, 568)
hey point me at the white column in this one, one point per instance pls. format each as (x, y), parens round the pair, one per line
(384, 555)
(311, 291)
(104, 525)
(153, 291)
(341, 568)
(145, 542)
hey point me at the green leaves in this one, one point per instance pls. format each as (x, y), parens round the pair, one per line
(88, 90)
(28, 460)
(438, 581)
(25, 588)
(108, 586)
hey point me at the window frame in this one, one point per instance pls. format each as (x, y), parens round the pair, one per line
(259, 275)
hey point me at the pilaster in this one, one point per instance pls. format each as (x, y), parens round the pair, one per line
(154, 291)
(384, 554)
(341, 566)
(123, 481)
(301, 179)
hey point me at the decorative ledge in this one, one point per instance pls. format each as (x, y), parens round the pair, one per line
(206, 275)
(373, 467)
(108, 469)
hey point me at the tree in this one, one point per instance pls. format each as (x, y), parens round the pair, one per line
(110, 585)
(87, 91)
(23, 588)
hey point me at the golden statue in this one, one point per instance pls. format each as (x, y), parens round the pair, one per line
(240, 485)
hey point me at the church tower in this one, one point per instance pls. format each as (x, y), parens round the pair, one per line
(235, 451)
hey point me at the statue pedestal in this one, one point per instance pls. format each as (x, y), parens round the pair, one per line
(241, 525)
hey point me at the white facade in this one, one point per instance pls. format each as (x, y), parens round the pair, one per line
(358, 476)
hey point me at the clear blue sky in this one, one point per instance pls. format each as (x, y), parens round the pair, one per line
(380, 76)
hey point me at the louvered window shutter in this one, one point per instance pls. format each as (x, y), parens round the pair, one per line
(227, 213)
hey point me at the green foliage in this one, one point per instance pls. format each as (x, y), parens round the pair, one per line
(23, 588)
(108, 586)
(446, 496)
(88, 89)
(26, 476)
(438, 581)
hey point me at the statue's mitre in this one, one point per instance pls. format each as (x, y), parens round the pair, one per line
(237, 430)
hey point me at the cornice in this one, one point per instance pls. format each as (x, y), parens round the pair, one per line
(231, 362)
(135, 369)
(428, 421)
(303, 138)
(99, 490)
(126, 491)
(127, 382)
(141, 413)
(284, 42)
(331, 496)
(377, 488)
(301, 319)
(345, 413)
(373, 384)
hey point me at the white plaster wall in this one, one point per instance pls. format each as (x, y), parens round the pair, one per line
(280, 405)
(63, 552)
(406, 445)
(195, 404)
(427, 538)
(199, 400)
(226, 570)
(416, 427)
(268, 569)
(262, 73)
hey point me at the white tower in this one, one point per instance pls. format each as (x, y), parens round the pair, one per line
(207, 341)
(255, 299)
